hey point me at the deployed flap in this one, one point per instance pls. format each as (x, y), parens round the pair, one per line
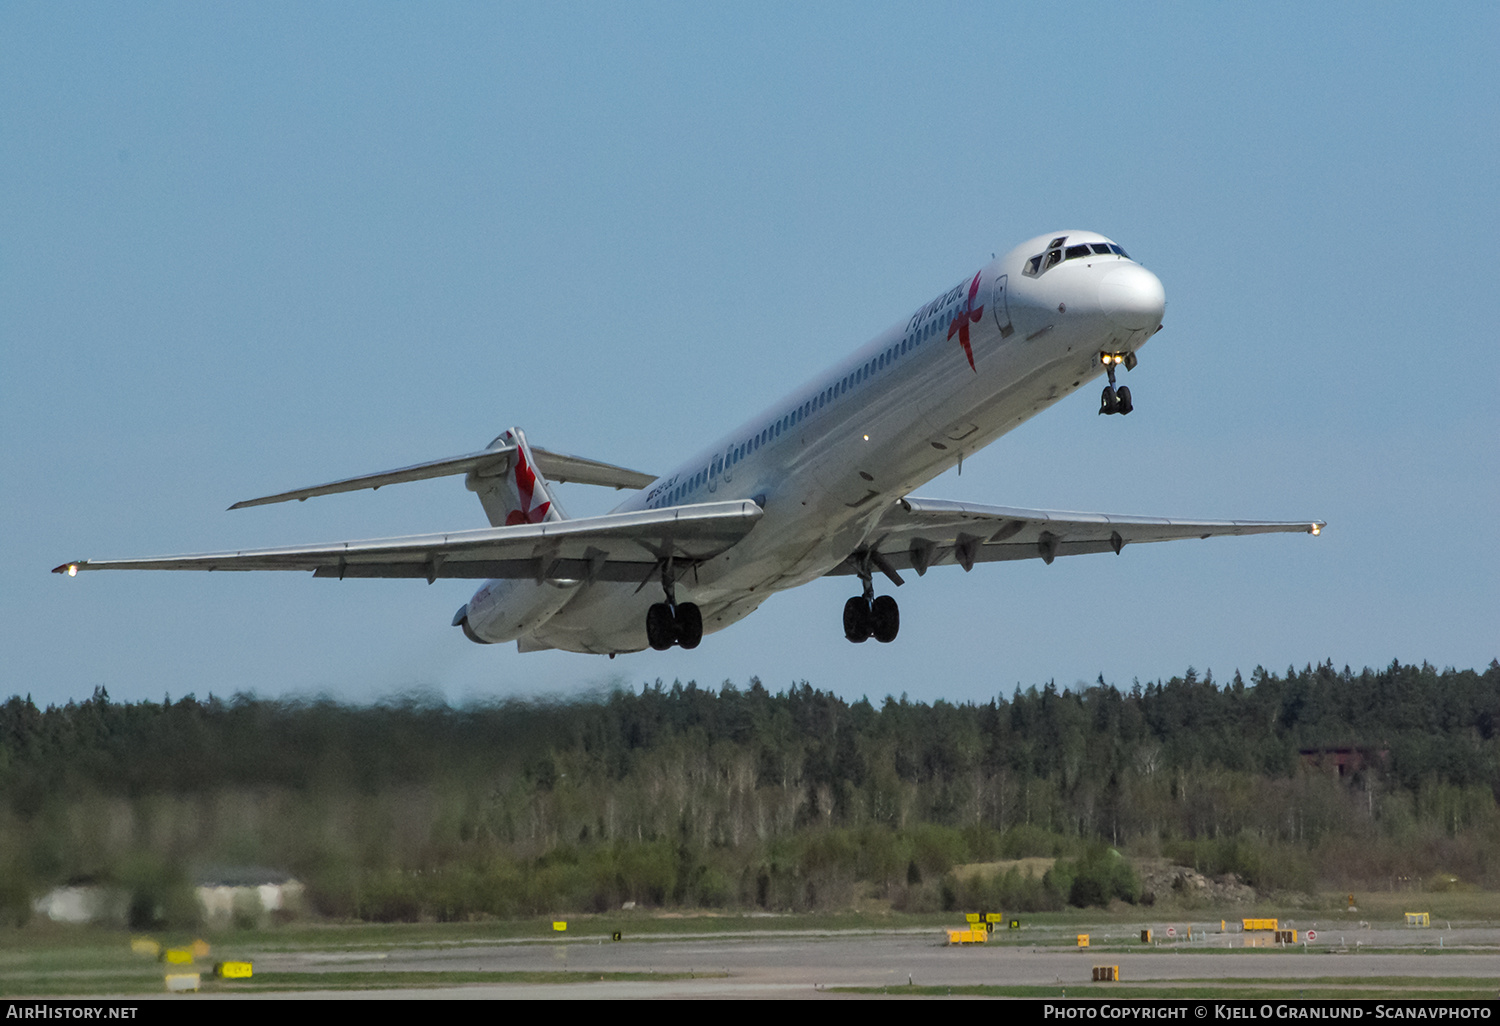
(613, 547)
(493, 460)
(919, 533)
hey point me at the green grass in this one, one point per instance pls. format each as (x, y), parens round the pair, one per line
(283, 981)
(53, 941)
(152, 982)
(591, 927)
(1459, 906)
(1121, 992)
(1391, 988)
(1480, 982)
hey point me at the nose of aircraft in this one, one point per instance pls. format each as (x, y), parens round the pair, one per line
(1132, 297)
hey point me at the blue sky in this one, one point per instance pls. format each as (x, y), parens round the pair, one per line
(245, 248)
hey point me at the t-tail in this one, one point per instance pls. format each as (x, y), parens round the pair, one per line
(513, 491)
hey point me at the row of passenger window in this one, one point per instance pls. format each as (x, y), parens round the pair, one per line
(1056, 254)
(837, 390)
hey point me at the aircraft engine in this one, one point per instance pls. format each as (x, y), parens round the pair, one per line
(506, 610)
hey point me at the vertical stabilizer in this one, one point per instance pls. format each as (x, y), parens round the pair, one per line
(515, 492)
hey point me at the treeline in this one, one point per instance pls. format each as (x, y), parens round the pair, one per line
(694, 796)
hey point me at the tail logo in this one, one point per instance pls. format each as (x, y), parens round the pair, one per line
(526, 488)
(967, 313)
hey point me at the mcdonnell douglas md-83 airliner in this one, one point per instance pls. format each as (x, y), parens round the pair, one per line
(819, 484)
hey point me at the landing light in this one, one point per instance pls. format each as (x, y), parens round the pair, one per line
(867, 438)
(72, 569)
(1315, 529)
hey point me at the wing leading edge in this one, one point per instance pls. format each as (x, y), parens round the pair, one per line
(915, 534)
(613, 547)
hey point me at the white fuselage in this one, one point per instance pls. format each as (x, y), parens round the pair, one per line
(828, 460)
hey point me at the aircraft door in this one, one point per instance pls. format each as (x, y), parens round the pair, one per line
(1000, 307)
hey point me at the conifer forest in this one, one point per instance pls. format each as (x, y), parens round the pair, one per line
(741, 797)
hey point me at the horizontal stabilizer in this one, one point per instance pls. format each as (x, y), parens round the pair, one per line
(494, 460)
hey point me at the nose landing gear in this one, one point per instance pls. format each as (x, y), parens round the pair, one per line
(1116, 400)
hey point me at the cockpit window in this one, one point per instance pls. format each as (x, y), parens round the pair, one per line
(1055, 255)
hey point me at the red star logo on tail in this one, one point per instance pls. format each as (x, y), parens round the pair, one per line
(526, 486)
(960, 325)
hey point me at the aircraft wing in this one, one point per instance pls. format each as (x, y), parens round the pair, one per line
(613, 547)
(915, 534)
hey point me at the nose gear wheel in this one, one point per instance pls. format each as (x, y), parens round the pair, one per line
(1116, 400)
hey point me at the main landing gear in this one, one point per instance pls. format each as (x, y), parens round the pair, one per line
(668, 624)
(672, 623)
(1116, 400)
(866, 616)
